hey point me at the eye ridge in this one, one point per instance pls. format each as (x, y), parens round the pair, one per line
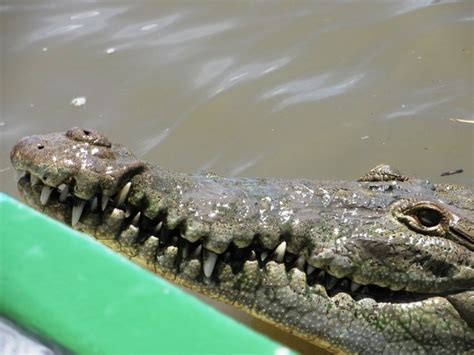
(424, 217)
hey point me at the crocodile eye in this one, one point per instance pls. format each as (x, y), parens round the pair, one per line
(424, 217)
(429, 217)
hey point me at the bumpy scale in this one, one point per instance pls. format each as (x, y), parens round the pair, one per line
(384, 264)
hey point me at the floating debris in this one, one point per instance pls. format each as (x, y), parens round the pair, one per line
(78, 101)
(461, 120)
(447, 173)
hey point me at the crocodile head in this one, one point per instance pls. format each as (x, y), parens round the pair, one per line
(385, 263)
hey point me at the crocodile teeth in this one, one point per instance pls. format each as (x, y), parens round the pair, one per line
(197, 251)
(331, 282)
(34, 180)
(263, 255)
(45, 193)
(104, 201)
(164, 236)
(158, 227)
(136, 218)
(77, 211)
(64, 189)
(184, 247)
(299, 263)
(310, 269)
(355, 286)
(94, 204)
(209, 263)
(122, 195)
(279, 253)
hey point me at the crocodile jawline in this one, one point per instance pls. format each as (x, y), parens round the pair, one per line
(150, 240)
(384, 264)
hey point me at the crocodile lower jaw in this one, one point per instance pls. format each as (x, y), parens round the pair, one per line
(167, 251)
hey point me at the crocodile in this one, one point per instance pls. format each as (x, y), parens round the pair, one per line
(384, 264)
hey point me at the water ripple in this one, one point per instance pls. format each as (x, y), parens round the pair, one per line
(194, 33)
(247, 72)
(311, 89)
(150, 26)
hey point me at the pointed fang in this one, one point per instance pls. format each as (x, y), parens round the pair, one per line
(77, 211)
(300, 262)
(45, 193)
(280, 252)
(94, 204)
(34, 180)
(64, 192)
(263, 255)
(122, 195)
(310, 269)
(197, 252)
(209, 263)
(136, 219)
(104, 201)
(158, 227)
(184, 247)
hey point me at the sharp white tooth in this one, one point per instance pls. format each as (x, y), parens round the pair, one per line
(128, 212)
(94, 204)
(321, 275)
(209, 263)
(77, 211)
(122, 195)
(64, 192)
(34, 180)
(104, 201)
(355, 286)
(158, 227)
(300, 262)
(263, 255)
(197, 252)
(252, 256)
(310, 269)
(331, 283)
(280, 252)
(136, 219)
(184, 247)
(45, 193)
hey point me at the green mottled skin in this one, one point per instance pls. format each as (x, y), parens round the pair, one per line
(357, 230)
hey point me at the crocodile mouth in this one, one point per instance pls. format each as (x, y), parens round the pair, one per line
(170, 253)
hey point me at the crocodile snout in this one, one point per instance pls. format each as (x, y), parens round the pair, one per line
(24, 154)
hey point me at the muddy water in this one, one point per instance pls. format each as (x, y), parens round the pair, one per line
(313, 89)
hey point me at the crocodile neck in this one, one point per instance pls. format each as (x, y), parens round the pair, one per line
(381, 264)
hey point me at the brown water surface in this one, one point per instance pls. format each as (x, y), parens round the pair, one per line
(322, 90)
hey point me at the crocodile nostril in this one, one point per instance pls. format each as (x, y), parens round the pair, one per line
(40, 146)
(87, 132)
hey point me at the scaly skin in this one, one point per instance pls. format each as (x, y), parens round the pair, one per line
(292, 252)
